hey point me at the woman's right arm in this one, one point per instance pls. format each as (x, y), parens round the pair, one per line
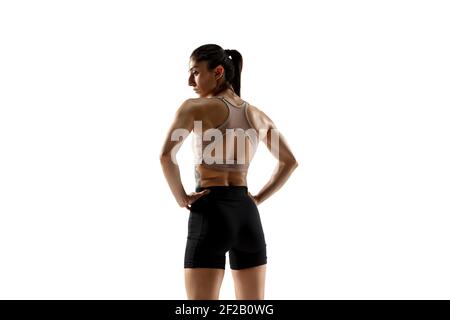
(279, 148)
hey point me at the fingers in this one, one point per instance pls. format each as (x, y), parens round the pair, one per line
(253, 198)
(202, 193)
(193, 196)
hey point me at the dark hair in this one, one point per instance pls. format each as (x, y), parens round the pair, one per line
(214, 55)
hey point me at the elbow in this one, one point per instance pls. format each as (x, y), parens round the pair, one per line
(163, 157)
(167, 159)
(292, 163)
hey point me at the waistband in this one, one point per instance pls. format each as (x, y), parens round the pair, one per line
(225, 190)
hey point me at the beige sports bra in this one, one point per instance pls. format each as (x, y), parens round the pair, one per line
(231, 145)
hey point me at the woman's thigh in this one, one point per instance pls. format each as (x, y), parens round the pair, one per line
(203, 283)
(249, 283)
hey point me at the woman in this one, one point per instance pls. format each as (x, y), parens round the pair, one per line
(223, 214)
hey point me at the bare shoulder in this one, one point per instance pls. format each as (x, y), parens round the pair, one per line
(258, 118)
(196, 107)
(207, 109)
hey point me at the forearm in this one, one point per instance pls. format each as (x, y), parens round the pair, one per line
(172, 174)
(279, 177)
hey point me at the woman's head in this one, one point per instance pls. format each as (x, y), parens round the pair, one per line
(213, 70)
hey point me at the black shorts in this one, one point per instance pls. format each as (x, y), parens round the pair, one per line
(225, 219)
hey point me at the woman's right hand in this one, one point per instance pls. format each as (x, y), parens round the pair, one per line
(254, 198)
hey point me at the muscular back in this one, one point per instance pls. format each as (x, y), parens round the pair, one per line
(212, 112)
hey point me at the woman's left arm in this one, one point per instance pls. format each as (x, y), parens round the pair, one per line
(181, 126)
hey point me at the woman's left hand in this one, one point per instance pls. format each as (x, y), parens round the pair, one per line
(194, 196)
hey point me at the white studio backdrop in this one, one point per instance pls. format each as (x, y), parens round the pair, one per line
(359, 89)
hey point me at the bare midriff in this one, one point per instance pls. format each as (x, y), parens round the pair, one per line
(206, 177)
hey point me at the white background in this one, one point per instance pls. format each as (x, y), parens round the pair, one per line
(360, 90)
